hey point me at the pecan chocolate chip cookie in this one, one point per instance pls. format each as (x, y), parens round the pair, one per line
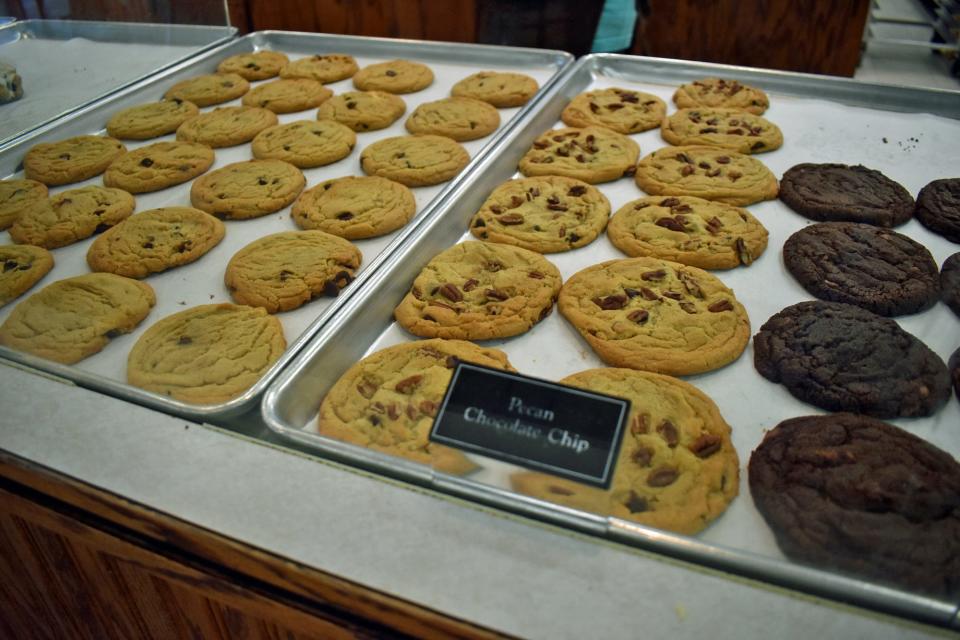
(151, 120)
(727, 128)
(226, 126)
(71, 216)
(480, 291)
(70, 160)
(723, 93)
(546, 215)
(395, 76)
(248, 189)
(363, 110)
(287, 95)
(415, 161)
(591, 154)
(622, 110)
(706, 172)
(499, 88)
(950, 282)
(460, 119)
(656, 315)
(355, 207)
(21, 267)
(158, 166)
(16, 196)
(857, 495)
(938, 208)
(305, 143)
(283, 271)
(258, 65)
(677, 468)
(843, 358)
(387, 401)
(208, 90)
(327, 68)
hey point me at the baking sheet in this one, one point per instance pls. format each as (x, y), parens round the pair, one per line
(202, 282)
(909, 148)
(65, 64)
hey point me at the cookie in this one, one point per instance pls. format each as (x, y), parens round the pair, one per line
(158, 166)
(305, 143)
(841, 192)
(950, 282)
(479, 291)
(72, 319)
(499, 88)
(693, 231)
(70, 160)
(355, 207)
(874, 268)
(71, 216)
(248, 189)
(706, 172)
(677, 468)
(258, 65)
(208, 90)
(287, 96)
(546, 215)
(151, 120)
(938, 208)
(395, 76)
(16, 196)
(11, 84)
(458, 118)
(387, 401)
(283, 271)
(656, 315)
(21, 267)
(206, 355)
(856, 495)
(226, 126)
(414, 161)
(154, 241)
(954, 365)
(843, 358)
(722, 93)
(327, 68)
(363, 110)
(591, 154)
(621, 110)
(727, 128)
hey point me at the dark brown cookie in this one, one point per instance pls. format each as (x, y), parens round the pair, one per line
(842, 192)
(857, 495)
(878, 269)
(843, 358)
(938, 208)
(954, 366)
(950, 282)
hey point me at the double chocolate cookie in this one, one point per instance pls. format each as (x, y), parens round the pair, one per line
(950, 282)
(938, 208)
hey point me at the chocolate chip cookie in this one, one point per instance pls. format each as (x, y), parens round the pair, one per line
(16, 196)
(856, 495)
(415, 161)
(387, 401)
(480, 291)
(499, 88)
(305, 143)
(875, 268)
(226, 126)
(677, 468)
(591, 154)
(287, 95)
(363, 110)
(152, 120)
(546, 215)
(71, 216)
(460, 119)
(208, 90)
(938, 208)
(258, 65)
(843, 358)
(723, 93)
(327, 68)
(622, 110)
(355, 207)
(727, 128)
(395, 76)
(841, 192)
(21, 267)
(950, 282)
(248, 189)
(158, 166)
(70, 160)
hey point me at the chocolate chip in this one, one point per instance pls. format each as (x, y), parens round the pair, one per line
(10, 265)
(611, 302)
(146, 162)
(450, 292)
(185, 340)
(662, 477)
(496, 294)
(511, 219)
(391, 73)
(706, 445)
(723, 159)
(536, 275)
(687, 170)
(636, 504)
(668, 431)
(577, 190)
(640, 316)
(649, 294)
(669, 223)
(284, 274)
(407, 385)
(657, 275)
(720, 305)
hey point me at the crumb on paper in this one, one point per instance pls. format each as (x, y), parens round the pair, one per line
(185, 427)
(211, 296)
(182, 303)
(885, 141)
(681, 612)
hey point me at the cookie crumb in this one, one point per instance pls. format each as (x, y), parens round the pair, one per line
(884, 141)
(681, 612)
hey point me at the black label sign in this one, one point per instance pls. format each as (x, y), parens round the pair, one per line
(534, 423)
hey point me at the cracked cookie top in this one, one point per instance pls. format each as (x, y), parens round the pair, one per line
(721, 92)
(622, 110)
(591, 154)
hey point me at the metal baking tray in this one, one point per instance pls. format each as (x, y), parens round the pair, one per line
(67, 64)
(889, 128)
(202, 281)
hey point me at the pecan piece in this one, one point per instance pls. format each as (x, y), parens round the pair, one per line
(611, 302)
(659, 274)
(434, 303)
(687, 170)
(577, 190)
(662, 477)
(515, 201)
(497, 209)
(720, 305)
(639, 316)
(407, 385)
(428, 408)
(670, 202)
(642, 456)
(682, 157)
(639, 424)
(668, 431)
(734, 176)
(649, 294)
(450, 292)
(669, 223)
(470, 284)
(689, 307)
(673, 295)
(496, 294)
(511, 219)
(557, 207)
(536, 275)
(742, 252)
(706, 445)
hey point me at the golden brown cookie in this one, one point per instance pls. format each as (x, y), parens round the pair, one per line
(387, 401)
(622, 110)
(706, 172)
(363, 110)
(656, 315)
(226, 126)
(547, 214)
(722, 93)
(416, 161)
(258, 65)
(158, 166)
(71, 216)
(395, 76)
(283, 271)
(287, 96)
(727, 128)
(208, 90)
(591, 154)
(70, 160)
(327, 68)
(16, 196)
(677, 468)
(72, 319)
(206, 355)
(21, 267)
(480, 291)
(461, 119)
(154, 241)
(151, 120)
(247, 189)
(355, 207)
(693, 231)
(499, 88)
(305, 143)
